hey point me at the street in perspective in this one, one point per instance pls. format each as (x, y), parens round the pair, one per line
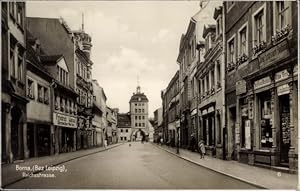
(149, 95)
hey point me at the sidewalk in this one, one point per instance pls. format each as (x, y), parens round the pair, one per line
(10, 175)
(257, 176)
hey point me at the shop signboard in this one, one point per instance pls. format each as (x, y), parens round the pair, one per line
(248, 134)
(262, 82)
(283, 89)
(64, 120)
(204, 112)
(282, 75)
(274, 54)
(240, 87)
(211, 109)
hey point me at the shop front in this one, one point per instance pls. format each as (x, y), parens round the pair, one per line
(66, 126)
(267, 121)
(208, 130)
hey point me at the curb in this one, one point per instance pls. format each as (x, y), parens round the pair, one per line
(220, 172)
(61, 162)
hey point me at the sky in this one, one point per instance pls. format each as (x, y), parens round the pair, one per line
(132, 41)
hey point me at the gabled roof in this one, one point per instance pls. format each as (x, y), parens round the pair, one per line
(51, 58)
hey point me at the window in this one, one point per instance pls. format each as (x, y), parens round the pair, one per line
(143, 117)
(259, 27)
(12, 8)
(219, 26)
(136, 124)
(212, 78)
(218, 74)
(20, 68)
(139, 110)
(12, 62)
(139, 124)
(143, 110)
(140, 117)
(62, 104)
(136, 110)
(46, 95)
(121, 130)
(136, 117)
(30, 89)
(20, 14)
(40, 93)
(126, 130)
(282, 14)
(265, 120)
(143, 124)
(121, 138)
(243, 41)
(231, 54)
(125, 138)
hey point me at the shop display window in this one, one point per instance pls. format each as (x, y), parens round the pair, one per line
(266, 139)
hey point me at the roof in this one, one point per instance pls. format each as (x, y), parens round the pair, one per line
(139, 97)
(124, 120)
(51, 59)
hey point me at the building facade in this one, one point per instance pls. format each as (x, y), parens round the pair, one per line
(64, 98)
(262, 73)
(172, 111)
(139, 115)
(99, 111)
(124, 127)
(40, 129)
(13, 97)
(210, 76)
(84, 88)
(157, 125)
(111, 128)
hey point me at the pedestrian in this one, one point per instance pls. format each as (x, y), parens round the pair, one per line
(201, 148)
(105, 144)
(161, 141)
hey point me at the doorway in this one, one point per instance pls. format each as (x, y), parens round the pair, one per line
(16, 133)
(285, 140)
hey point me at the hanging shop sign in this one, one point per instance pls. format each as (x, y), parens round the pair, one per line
(262, 82)
(250, 109)
(282, 75)
(284, 89)
(240, 87)
(274, 54)
(248, 134)
(64, 120)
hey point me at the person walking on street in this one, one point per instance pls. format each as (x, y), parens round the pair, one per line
(201, 148)
(105, 144)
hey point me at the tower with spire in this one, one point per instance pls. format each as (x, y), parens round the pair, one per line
(139, 114)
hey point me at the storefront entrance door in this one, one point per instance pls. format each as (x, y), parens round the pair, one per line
(285, 140)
